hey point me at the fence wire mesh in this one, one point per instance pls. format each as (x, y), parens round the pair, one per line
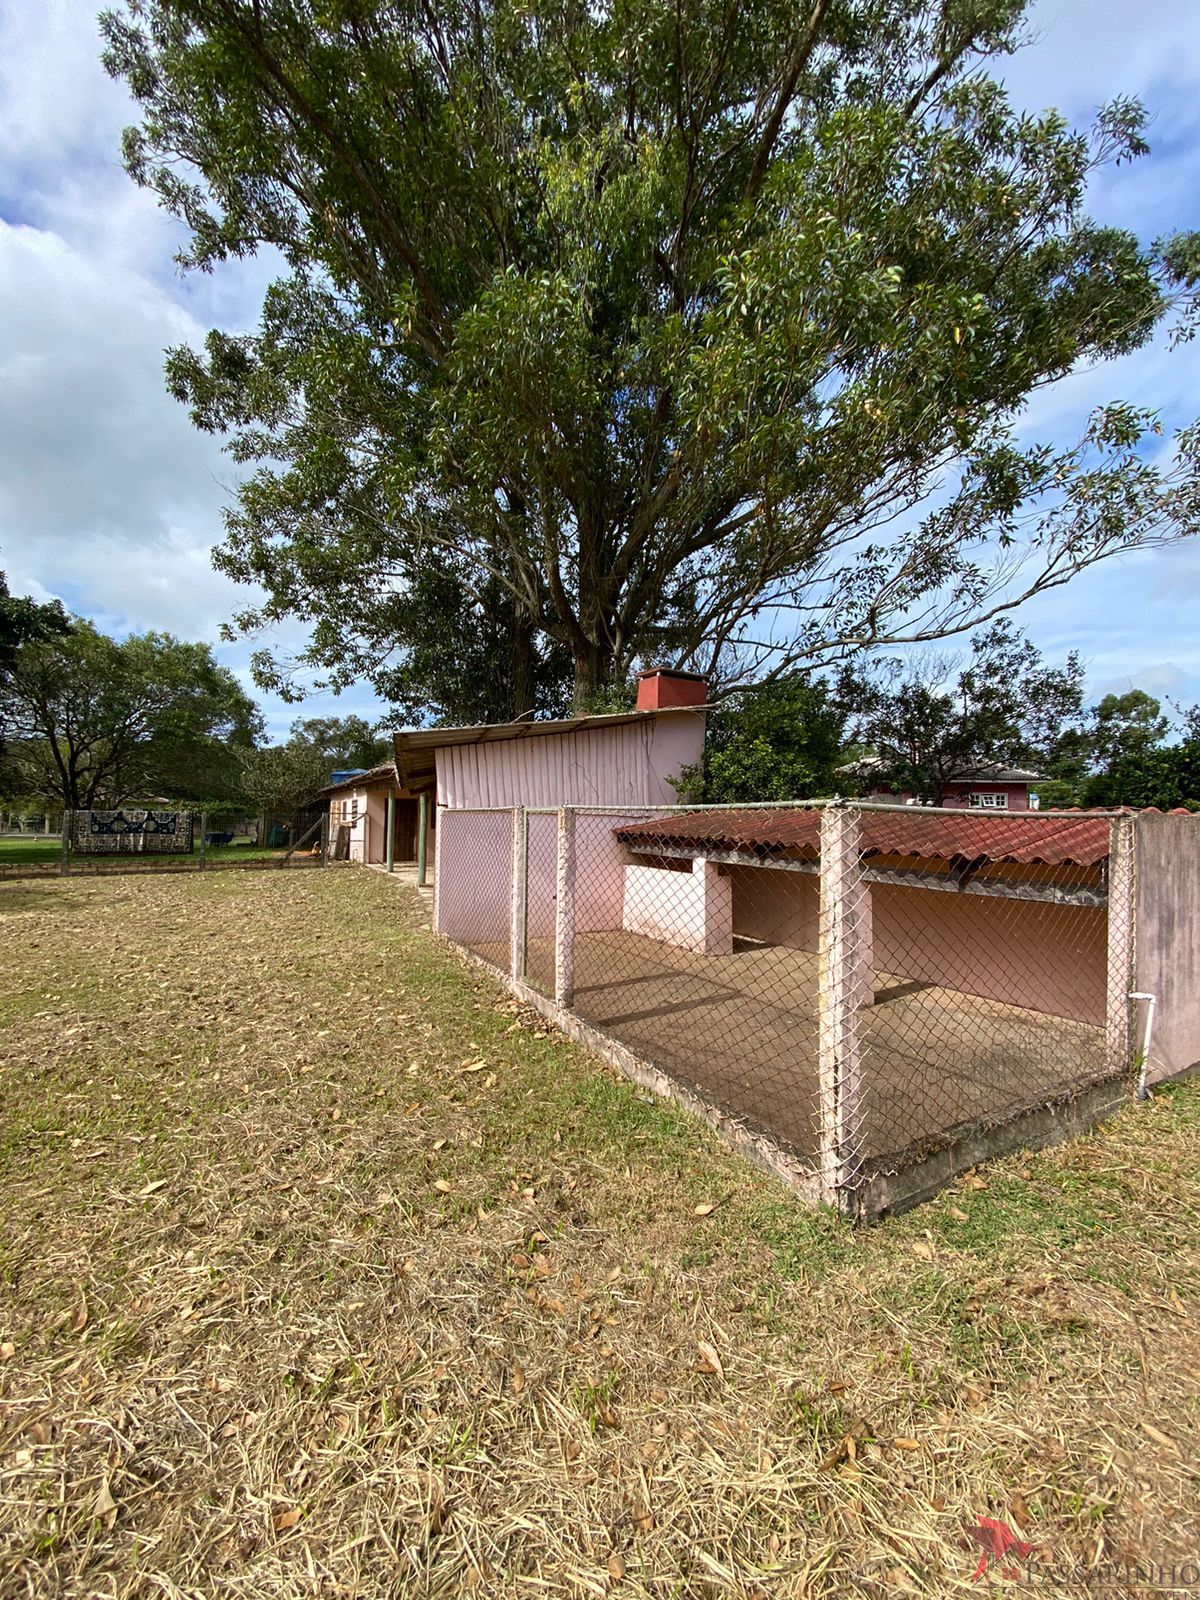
(135, 839)
(863, 984)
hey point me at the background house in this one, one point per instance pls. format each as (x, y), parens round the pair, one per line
(360, 804)
(988, 787)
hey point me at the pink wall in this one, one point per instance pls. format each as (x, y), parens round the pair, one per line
(473, 880)
(473, 874)
(542, 858)
(777, 907)
(627, 764)
(368, 836)
(959, 794)
(1168, 938)
(1027, 953)
(693, 910)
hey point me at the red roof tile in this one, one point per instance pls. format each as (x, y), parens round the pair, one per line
(1081, 840)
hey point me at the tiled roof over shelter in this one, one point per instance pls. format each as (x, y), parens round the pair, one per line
(1027, 837)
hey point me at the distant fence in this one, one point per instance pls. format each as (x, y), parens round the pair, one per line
(158, 839)
(868, 998)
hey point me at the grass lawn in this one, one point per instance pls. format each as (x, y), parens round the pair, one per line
(31, 847)
(35, 850)
(326, 1271)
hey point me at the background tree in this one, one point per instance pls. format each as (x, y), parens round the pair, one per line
(640, 331)
(343, 742)
(22, 622)
(94, 720)
(283, 779)
(777, 741)
(1126, 725)
(1134, 764)
(926, 729)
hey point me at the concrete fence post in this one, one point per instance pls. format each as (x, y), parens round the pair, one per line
(564, 910)
(518, 940)
(203, 840)
(64, 859)
(390, 847)
(1121, 969)
(839, 1071)
(437, 872)
(422, 837)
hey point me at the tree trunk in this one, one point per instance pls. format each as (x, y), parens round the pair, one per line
(593, 672)
(524, 693)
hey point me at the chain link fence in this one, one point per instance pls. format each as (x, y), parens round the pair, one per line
(870, 997)
(161, 839)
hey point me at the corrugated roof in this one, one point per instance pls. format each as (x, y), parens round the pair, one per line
(975, 836)
(358, 780)
(416, 747)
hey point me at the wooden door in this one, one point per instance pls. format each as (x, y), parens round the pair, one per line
(405, 848)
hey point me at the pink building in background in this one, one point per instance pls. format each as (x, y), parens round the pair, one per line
(989, 787)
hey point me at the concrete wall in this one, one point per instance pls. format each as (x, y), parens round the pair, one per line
(473, 873)
(628, 764)
(1168, 938)
(692, 909)
(1045, 957)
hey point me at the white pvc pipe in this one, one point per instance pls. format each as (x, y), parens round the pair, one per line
(1151, 1001)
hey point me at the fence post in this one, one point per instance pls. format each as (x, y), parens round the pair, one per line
(325, 839)
(203, 839)
(422, 840)
(1118, 1017)
(390, 851)
(564, 910)
(518, 941)
(839, 1073)
(64, 859)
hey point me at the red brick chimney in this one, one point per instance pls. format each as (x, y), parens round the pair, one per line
(664, 686)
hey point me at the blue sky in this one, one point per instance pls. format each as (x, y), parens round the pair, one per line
(111, 501)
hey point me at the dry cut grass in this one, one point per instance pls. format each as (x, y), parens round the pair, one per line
(324, 1271)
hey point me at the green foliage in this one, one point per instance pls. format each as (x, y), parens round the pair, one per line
(1138, 767)
(344, 742)
(23, 622)
(283, 778)
(1126, 726)
(775, 741)
(613, 333)
(927, 729)
(93, 719)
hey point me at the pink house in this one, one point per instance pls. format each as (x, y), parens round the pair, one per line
(988, 787)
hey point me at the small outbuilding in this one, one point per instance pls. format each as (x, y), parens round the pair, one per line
(364, 807)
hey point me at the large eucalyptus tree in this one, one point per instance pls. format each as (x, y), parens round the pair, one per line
(692, 329)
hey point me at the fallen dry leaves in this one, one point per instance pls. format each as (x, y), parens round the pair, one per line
(316, 1281)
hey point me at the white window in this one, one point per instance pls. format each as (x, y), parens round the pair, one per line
(990, 801)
